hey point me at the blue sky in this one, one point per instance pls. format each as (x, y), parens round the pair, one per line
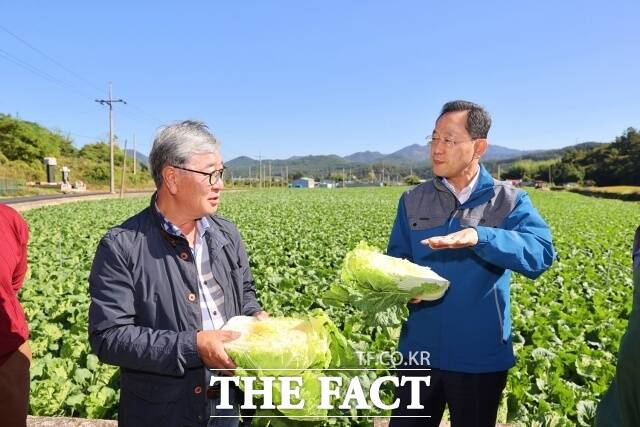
(283, 77)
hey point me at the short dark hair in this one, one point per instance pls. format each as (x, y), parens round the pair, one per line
(478, 119)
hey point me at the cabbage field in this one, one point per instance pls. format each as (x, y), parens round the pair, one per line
(567, 324)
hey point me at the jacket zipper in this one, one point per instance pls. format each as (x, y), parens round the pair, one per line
(495, 294)
(457, 207)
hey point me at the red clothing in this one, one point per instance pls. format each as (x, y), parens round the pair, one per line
(14, 234)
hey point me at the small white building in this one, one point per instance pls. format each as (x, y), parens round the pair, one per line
(327, 184)
(303, 183)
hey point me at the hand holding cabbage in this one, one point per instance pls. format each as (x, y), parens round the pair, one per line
(302, 346)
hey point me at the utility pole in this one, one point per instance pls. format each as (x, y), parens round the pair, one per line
(124, 168)
(269, 173)
(286, 173)
(134, 153)
(499, 172)
(260, 160)
(110, 102)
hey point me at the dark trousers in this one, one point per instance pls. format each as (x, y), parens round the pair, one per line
(473, 399)
(14, 388)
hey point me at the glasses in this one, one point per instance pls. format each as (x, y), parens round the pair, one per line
(432, 141)
(213, 176)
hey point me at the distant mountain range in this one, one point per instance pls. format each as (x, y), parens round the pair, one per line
(417, 154)
(139, 157)
(414, 156)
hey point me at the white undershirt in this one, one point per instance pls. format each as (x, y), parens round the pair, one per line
(464, 194)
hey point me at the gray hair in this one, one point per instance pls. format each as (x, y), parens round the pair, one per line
(478, 119)
(174, 145)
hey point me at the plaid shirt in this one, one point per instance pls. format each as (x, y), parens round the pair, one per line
(211, 295)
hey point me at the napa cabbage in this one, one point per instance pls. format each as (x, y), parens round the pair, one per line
(381, 286)
(302, 346)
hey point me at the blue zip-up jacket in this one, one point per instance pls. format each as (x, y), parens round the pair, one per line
(469, 329)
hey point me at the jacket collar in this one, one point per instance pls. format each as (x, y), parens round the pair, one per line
(213, 235)
(484, 188)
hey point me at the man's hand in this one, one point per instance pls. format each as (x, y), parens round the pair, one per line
(261, 315)
(460, 239)
(211, 349)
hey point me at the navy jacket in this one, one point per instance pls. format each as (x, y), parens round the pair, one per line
(145, 313)
(469, 329)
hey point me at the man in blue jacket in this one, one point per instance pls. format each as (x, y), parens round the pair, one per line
(164, 282)
(474, 231)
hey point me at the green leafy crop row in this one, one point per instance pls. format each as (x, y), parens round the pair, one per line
(567, 324)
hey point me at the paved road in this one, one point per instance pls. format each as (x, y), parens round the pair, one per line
(29, 199)
(68, 422)
(26, 203)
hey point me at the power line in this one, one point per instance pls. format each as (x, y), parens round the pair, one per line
(143, 114)
(27, 67)
(58, 63)
(72, 89)
(35, 70)
(138, 112)
(43, 74)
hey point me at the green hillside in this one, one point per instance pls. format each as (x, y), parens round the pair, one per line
(24, 145)
(593, 164)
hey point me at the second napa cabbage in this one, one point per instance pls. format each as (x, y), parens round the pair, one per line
(369, 267)
(381, 286)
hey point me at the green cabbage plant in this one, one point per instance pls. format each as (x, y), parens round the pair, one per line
(380, 286)
(303, 347)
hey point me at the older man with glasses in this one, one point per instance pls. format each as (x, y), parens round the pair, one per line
(474, 231)
(165, 281)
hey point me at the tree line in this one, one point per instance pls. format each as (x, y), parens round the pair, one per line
(604, 165)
